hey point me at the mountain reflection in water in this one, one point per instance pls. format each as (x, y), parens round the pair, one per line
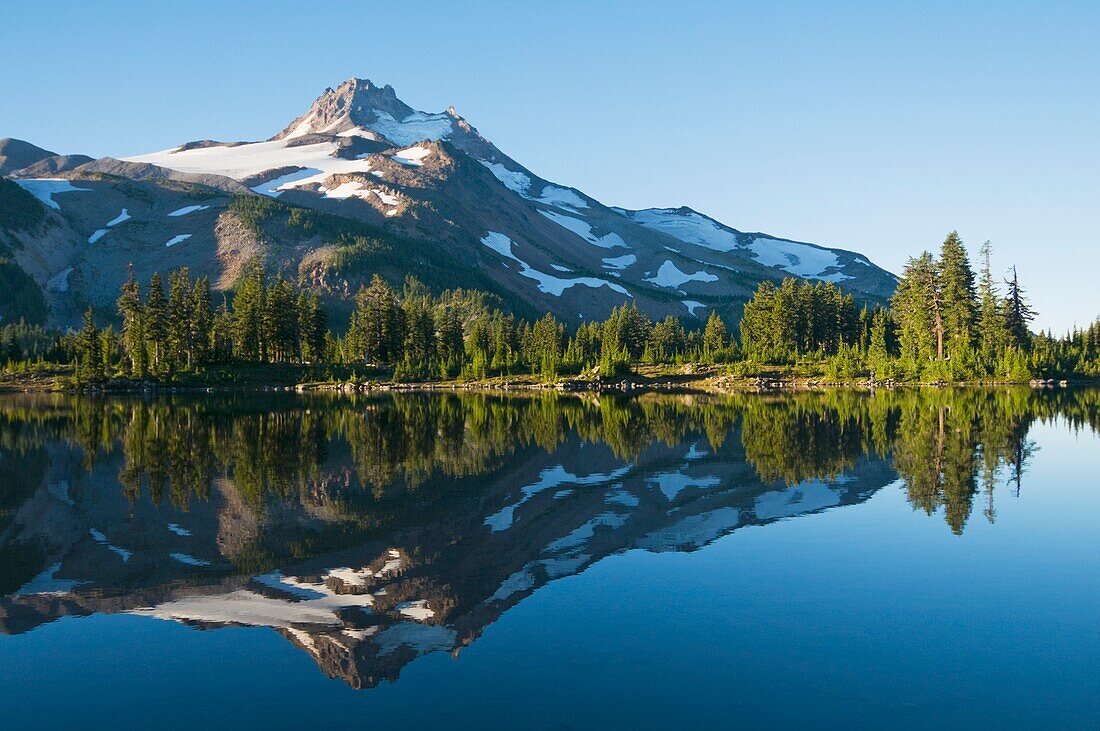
(371, 530)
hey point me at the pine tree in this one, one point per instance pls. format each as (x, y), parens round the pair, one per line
(181, 350)
(991, 325)
(312, 328)
(878, 354)
(917, 306)
(1017, 314)
(156, 321)
(248, 309)
(89, 351)
(201, 328)
(377, 325)
(714, 337)
(955, 285)
(132, 313)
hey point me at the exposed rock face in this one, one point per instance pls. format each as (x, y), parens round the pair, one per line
(356, 102)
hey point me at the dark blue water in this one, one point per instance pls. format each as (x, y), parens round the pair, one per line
(679, 585)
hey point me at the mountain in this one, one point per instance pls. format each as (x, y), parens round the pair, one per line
(17, 154)
(393, 190)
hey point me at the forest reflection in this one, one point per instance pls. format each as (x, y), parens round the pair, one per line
(947, 445)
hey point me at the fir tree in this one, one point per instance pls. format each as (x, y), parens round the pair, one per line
(714, 337)
(156, 321)
(1017, 314)
(991, 325)
(89, 350)
(132, 313)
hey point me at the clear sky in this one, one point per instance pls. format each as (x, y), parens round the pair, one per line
(872, 126)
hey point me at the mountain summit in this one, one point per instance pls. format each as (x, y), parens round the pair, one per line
(396, 191)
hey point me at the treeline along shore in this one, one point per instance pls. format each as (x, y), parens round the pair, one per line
(946, 323)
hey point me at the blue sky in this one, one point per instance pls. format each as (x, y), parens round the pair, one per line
(872, 126)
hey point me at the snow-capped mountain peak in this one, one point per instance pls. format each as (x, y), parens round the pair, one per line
(359, 104)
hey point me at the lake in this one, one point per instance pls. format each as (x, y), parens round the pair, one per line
(909, 558)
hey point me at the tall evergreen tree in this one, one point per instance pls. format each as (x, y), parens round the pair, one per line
(156, 321)
(714, 337)
(248, 311)
(131, 311)
(89, 349)
(991, 325)
(956, 289)
(1017, 314)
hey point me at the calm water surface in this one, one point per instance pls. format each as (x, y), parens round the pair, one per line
(901, 559)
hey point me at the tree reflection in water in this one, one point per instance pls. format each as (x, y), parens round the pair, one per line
(371, 529)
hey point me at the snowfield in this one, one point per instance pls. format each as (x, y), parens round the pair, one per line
(238, 162)
(44, 189)
(547, 283)
(97, 235)
(669, 275)
(180, 238)
(413, 128)
(803, 260)
(691, 228)
(584, 230)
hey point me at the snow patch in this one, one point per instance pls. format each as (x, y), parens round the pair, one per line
(673, 483)
(669, 275)
(547, 283)
(180, 238)
(584, 230)
(47, 583)
(512, 180)
(187, 209)
(620, 262)
(124, 216)
(421, 638)
(517, 582)
(694, 531)
(805, 497)
(802, 260)
(99, 233)
(417, 610)
(189, 560)
(413, 128)
(691, 228)
(412, 156)
(584, 533)
(44, 189)
(692, 306)
(565, 198)
(550, 478)
(178, 530)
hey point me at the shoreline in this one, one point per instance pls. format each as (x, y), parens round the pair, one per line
(699, 380)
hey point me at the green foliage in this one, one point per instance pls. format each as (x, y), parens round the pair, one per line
(798, 318)
(19, 210)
